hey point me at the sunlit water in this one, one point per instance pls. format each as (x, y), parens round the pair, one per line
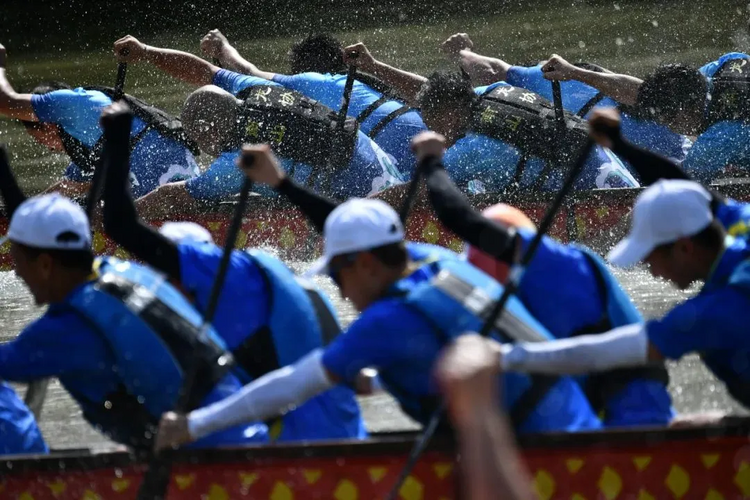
(632, 37)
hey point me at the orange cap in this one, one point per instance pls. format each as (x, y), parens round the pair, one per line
(507, 216)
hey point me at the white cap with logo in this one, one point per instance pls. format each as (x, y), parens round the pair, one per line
(663, 213)
(356, 225)
(50, 222)
(186, 232)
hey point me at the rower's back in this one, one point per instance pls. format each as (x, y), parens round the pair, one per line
(269, 319)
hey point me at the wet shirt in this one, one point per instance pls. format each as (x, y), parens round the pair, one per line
(395, 138)
(19, 433)
(480, 164)
(155, 160)
(725, 144)
(713, 324)
(370, 171)
(575, 95)
(402, 344)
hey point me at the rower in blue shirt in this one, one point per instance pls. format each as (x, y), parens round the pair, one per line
(67, 120)
(19, 433)
(267, 317)
(116, 335)
(410, 306)
(710, 103)
(685, 249)
(319, 72)
(211, 116)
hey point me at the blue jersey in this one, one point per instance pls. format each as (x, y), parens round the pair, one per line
(735, 217)
(646, 134)
(395, 138)
(713, 323)
(370, 171)
(19, 433)
(480, 164)
(723, 144)
(399, 340)
(244, 318)
(155, 160)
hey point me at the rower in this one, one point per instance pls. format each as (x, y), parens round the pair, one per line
(19, 433)
(231, 109)
(267, 317)
(676, 234)
(710, 103)
(577, 97)
(67, 120)
(115, 334)
(409, 310)
(319, 72)
(490, 147)
(566, 287)
(605, 124)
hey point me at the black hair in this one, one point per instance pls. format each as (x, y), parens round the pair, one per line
(446, 88)
(81, 260)
(671, 89)
(392, 255)
(51, 86)
(319, 53)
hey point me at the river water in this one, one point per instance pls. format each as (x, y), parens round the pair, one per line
(632, 37)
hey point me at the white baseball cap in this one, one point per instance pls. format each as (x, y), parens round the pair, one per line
(51, 222)
(355, 225)
(663, 213)
(186, 232)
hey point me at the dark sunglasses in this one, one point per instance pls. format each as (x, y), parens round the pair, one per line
(338, 263)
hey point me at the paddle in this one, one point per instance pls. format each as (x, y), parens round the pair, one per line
(156, 479)
(557, 101)
(514, 279)
(348, 86)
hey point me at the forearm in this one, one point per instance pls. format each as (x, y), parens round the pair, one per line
(315, 207)
(120, 217)
(622, 88)
(622, 347)
(264, 398)
(455, 212)
(182, 65)
(9, 188)
(649, 166)
(231, 59)
(483, 70)
(405, 84)
(13, 104)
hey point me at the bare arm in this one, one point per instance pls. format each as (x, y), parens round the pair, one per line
(71, 189)
(166, 200)
(181, 65)
(216, 46)
(405, 84)
(622, 88)
(481, 69)
(13, 104)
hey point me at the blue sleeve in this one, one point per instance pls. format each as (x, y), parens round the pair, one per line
(711, 152)
(316, 86)
(711, 321)
(77, 111)
(375, 340)
(51, 347)
(530, 78)
(221, 180)
(710, 69)
(234, 83)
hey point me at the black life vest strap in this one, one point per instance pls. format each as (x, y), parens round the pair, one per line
(590, 104)
(529, 400)
(365, 114)
(87, 158)
(329, 327)
(387, 120)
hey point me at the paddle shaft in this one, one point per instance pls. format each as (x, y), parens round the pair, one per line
(559, 111)
(411, 195)
(514, 279)
(156, 478)
(348, 86)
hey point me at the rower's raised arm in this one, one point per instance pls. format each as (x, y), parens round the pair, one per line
(216, 46)
(404, 83)
(623, 88)
(121, 220)
(13, 104)
(482, 70)
(9, 189)
(181, 65)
